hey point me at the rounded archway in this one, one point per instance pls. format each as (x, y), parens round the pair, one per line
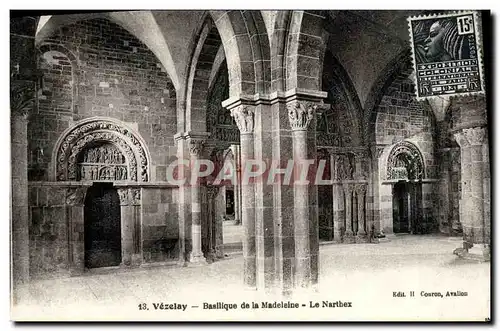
(98, 146)
(405, 162)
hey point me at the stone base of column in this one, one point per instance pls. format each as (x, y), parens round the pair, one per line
(211, 256)
(219, 252)
(136, 260)
(478, 252)
(380, 240)
(362, 238)
(20, 294)
(76, 271)
(349, 237)
(196, 260)
(337, 237)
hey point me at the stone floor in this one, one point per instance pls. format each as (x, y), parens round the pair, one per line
(364, 274)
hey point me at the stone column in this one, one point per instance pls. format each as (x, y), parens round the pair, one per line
(300, 114)
(135, 204)
(75, 199)
(476, 137)
(127, 219)
(20, 211)
(338, 200)
(130, 201)
(215, 225)
(476, 241)
(236, 184)
(348, 193)
(360, 192)
(244, 117)
(196, 256)
(184, 206)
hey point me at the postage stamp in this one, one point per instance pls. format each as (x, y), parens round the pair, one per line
(446, 54)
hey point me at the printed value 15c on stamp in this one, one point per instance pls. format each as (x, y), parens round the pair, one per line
(447, 54)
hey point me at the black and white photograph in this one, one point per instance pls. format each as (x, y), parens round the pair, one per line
(250, 165)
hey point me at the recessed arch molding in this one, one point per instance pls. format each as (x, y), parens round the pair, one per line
(89, 132)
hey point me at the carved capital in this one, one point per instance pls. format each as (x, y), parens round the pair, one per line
(196, 146)
(135, 196)
(461, 139)
(244, 118)
(377, 152)
(75, 196)
(22, 99)
(123, 195)
(212, 191)
(344, 169)
(475, 136)
(348, 188)
(300, 114)
(360, 188)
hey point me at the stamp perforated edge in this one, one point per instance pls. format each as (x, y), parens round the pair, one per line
(478, 29)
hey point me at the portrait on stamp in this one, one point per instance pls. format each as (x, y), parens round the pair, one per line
(447, 57)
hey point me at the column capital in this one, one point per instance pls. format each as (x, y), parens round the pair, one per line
(75, 196)
(377, 151)
(475, 136)
(22, 98)
(461, 139)
(196, 146)
(348, 187)
(244, 118)
(135, 196)
(212, 191)
(300, 114)
(129, 196)
(360, 188)
(123, 196)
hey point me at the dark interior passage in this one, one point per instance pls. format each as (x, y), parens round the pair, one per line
(102, 226)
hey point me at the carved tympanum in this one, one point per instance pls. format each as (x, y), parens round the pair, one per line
(80, 147)
(102, 162)
(405, 162)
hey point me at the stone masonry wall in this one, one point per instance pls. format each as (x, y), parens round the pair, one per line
(160, 228)
(402, 117)
(95, 68)
(114, 75)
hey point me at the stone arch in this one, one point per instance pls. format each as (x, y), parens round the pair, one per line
(278, 49)
(87, 132)
(344, 117)
(141, 25)
(405, 161)
(220, 123)
(303, 51)
(402, 62)
(202, 61)
(243, 36)
(246, 45)
(48, 48)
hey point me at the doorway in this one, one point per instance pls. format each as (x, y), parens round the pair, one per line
(229, 202)
(400, 208)
(407, 208)
(102, 226)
